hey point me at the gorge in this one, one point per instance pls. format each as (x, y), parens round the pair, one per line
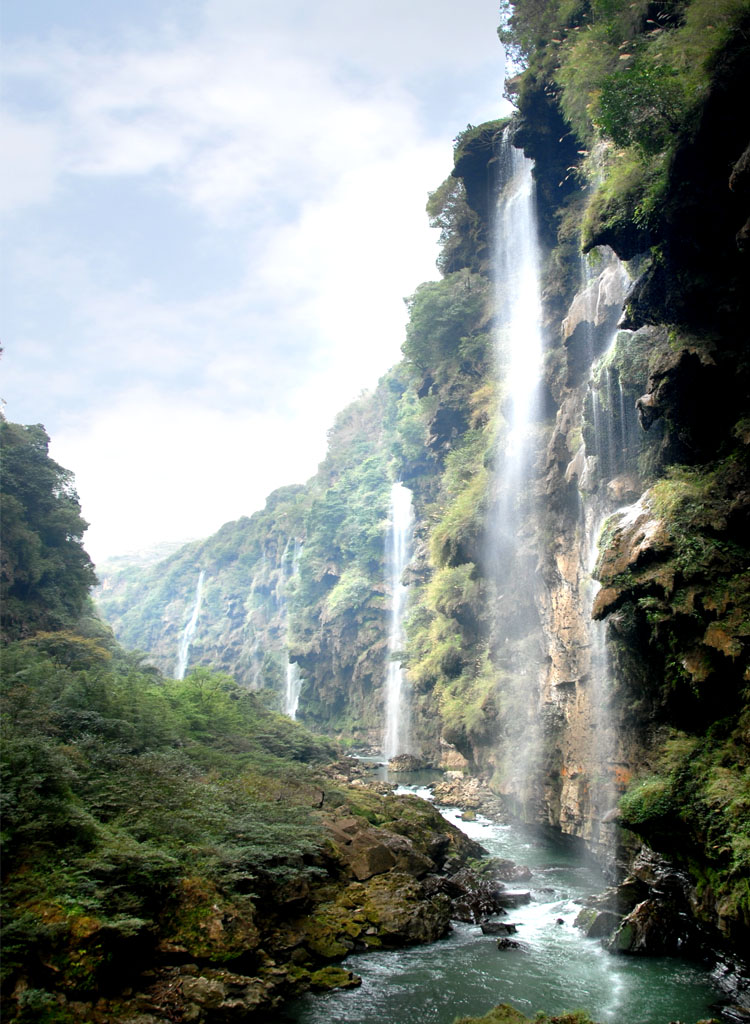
(524, 560)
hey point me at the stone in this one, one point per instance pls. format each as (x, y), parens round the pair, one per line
(654, 927)
(406, 763)
(497, 928)
(597, 924)
(516, 898)
(506, 943)
(329, 978)
(474, 898)
(206, 992)
(507, 870)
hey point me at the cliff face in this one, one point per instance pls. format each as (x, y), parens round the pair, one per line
(661, 717)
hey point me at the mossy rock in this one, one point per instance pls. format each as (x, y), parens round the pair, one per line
(207, 925)
(505, 1014)
(329, 978)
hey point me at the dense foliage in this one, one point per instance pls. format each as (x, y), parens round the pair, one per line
(45, 574)
(118, 786)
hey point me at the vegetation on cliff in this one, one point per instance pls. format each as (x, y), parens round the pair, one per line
(46, 575)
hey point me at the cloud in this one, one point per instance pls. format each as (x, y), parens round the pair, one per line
(228, 216)
(27, 175)
(155, 469)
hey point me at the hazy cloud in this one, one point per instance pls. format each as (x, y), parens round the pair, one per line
(213, 226)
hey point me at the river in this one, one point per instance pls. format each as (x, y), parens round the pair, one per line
(555, 969)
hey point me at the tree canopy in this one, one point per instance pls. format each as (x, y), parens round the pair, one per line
(45, 574)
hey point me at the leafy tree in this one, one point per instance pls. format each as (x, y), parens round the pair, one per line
(441, 315)
(643, 106)
(45, 574)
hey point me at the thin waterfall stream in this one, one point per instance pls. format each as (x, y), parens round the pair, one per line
(293, 689)
(186, 639)
(396, 737)
(293, 683)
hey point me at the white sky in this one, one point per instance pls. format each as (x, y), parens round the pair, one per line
(212, 211)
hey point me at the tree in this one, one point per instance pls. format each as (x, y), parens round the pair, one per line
(45, 573)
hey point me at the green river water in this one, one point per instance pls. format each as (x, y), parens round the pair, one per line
(556, 969)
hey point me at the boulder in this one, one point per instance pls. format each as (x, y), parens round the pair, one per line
(406, 763)
(506, 870)
(653, 928)
(514, 898)
(367, 851)
(329, 978)
(497, 928)
(473, 897)
(597, 924)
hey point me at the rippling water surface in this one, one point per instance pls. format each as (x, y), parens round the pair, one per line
(556, 968)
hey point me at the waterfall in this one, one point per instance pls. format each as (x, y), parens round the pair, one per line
(513, 528)
(520, 334)
(615, 443)
(396, 738)
(293, 688)
(604, 743)
(183, 651)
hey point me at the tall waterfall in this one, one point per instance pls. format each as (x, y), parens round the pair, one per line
(520, 333)
(183, 651)
(293, 688)
(396, 739)
(516, 635)
(614, 444)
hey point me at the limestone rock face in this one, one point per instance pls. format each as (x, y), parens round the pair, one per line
(368, 851)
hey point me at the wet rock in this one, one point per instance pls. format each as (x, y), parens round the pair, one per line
(206, 992)
(329, 978)
(597, 924)
(653, 928)
(506, 943)
(365, 851)
(399, 907)
(467, 792)
(473, 898)
(514, 898)
(507, 870)
(603, 912)
(406, 763)
(497, 928)
(648, 410)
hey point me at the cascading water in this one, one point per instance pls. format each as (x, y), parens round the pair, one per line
(520, 334)
(396, 738)
(183, 651)
(516, 639)
(293, 689)
(613, 440)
